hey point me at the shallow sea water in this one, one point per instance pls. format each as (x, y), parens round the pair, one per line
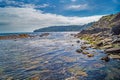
(53, 57)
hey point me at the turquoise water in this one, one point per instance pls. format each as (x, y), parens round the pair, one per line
(53, 57)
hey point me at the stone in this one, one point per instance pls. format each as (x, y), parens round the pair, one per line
(71, 78)
(84, 52)
(90, 55)
(10, 78)
(78, 50)
(14, 36)
(114, 56)
(44, 34)
(116, 40)
(99, 44)
(113, 50)
(78, 41)
(106, 58)
(107, 47)
(83, 47)
(115, 30)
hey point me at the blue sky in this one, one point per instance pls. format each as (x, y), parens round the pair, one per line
(27, 15)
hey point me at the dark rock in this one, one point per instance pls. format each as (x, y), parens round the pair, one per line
(116, 40)
(113, 50)
(116, 30)
(79, 50)
(78, 41)
(99, 44)
(106, 58)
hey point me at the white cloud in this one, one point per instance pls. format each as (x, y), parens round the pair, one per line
(78, 7)
(29, 19)
(35, 6)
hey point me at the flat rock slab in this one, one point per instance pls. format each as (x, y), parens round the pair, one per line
(113, 50)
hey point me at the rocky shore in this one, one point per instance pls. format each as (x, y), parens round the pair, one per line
(102, 35)
(16, 36)
(20, 36)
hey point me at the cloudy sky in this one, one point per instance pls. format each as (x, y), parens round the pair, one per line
(28, 15)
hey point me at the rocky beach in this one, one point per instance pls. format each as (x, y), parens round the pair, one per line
(104, 35)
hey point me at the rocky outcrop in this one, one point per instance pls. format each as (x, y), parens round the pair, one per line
(113, 50)
(115, 30)
(104, 34)
(14, 36)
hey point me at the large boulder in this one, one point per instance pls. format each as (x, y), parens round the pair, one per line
(116, 30)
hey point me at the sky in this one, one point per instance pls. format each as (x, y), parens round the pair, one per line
(28, 15)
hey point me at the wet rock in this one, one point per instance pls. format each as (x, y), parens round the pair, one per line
(44, 34)
(10, 78)
(77, 71)
(78, 41)
(114, 56)
(90, 55)
(85, 52)
(106, 58)
(71, 78)
(79, 50)
(83, 47)
(107, 47)
(35, 78)
(14, 36)
(113, 50)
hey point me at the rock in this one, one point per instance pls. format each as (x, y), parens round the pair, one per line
(83, 47)
(84, 52)
(113, 50)
(90, 55)
(116, 30)
(77, 71)
(14, 36)
(10, 78)
(44, 34)
(107, 47)
(78, 41)
(106, 58)
(116, 40)
(108, 40)
(99, 44)
(114, 56)
(35, 78)
(78, 50)
(71, 78)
